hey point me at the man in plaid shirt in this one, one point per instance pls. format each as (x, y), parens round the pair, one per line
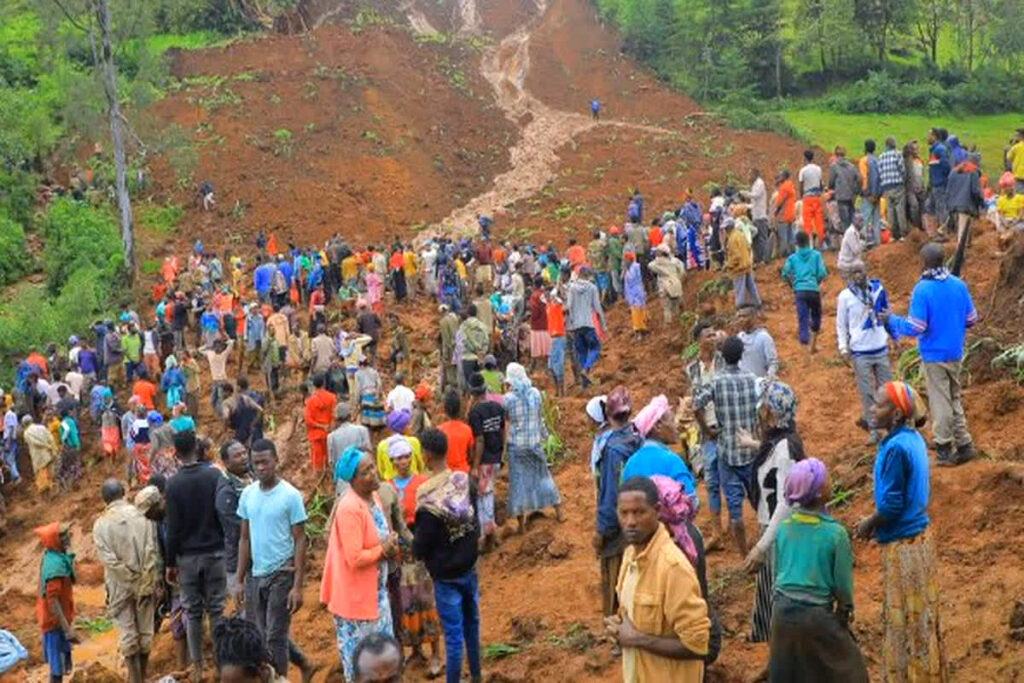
(734, 393)
(891, 171)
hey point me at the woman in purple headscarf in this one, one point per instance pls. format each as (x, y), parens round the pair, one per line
(810, 636)
(397, 422)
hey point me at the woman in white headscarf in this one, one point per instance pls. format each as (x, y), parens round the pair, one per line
(530, 486)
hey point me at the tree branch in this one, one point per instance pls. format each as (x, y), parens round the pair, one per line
(70, 18)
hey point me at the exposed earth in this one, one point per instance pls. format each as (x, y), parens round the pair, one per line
(394, 129)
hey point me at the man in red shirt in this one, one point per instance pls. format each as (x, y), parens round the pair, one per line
(576, 255)
(555, 310)
(459, 433)
(654, 236)
(55, 603)
(319, 413)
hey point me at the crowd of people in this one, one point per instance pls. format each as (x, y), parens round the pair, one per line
(410, 443)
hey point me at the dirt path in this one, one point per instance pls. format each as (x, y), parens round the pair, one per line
(543, 129)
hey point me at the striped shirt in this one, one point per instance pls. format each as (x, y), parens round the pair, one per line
(525, 426)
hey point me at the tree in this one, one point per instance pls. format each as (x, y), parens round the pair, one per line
(880, 19)
(103, 61)
(930, 20)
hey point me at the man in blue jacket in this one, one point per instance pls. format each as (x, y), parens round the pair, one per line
(936, 207)
(262, 277)
(941, 310)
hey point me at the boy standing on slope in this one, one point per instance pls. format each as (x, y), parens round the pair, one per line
(804, 272)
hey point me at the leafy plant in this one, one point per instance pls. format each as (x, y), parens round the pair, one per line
(908, 367)
(554, 447)
(1013, 360)
(77, 236)
(499, 650)
(14, 261)
(95, 625)
(159, 219)
(282, 142)
(318, 513)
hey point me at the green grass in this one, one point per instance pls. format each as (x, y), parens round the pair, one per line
(989, 132)
(194, 40)
(159, 219)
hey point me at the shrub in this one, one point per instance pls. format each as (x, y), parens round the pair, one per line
(14, 260)
(78, 235)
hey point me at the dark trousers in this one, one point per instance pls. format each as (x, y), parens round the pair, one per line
(267, 607)
(588, 347)
(459, 611)
(203, 583)
(808, 315)
(845, 213)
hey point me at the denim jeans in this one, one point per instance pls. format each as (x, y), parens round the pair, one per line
(808, 315)
(735, 482)
(786, 239)
(133, 370)
(711, 477)
(458, 608)
(203, 583)
(11, 459)
(556, 357)
(266, 599)
(872, 221)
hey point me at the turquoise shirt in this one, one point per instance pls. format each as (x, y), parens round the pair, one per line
(804, 269)
(271, 516)
(813, 562)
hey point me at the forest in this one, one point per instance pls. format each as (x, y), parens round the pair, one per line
(848, 56)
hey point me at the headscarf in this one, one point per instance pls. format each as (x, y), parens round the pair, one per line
(154, 418)
(595, 409)
(178, 409)
(56, 563)
(147, 498)
(398, 420)
(446, 496)
(906, 398)
(398, 446)
(675, 510)
(515, 375)
(170, 362)
(805, 482)
(781, 402)
(346, 466)
(422, 392)
(650, 414)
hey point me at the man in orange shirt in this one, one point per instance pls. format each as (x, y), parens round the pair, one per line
(145, 390)
(556, 330)
(55, 603)
(785, 213)
(319, 412)
(460, 434)
(654, 234)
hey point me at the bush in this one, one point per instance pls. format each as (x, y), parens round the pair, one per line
(18, 196)
(981, 93)
(77, 236)
(14, 260)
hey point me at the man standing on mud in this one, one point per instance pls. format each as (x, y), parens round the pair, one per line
(195, 544)
(272, 536)
(940, 312)
(126, 545)
(584, 304)
(662, 625)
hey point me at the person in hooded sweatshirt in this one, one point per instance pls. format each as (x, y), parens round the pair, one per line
(804, 270)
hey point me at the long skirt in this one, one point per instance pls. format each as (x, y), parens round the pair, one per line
(638, 318)
(764, 594)
(530, 486)
(912, 643)
(419, 621)
(809, 644)
(540, 343)
(138, 464)
(485, 498)
(69, 470)
(399, 284)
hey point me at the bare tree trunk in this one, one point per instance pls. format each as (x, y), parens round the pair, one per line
(107, 73)
(778, 69)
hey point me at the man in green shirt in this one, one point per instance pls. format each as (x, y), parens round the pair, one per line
(131, 343)
(613, 248)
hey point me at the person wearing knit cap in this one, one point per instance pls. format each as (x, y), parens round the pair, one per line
(656, 424)
(813, 600)
(621, 443)
(912, 641)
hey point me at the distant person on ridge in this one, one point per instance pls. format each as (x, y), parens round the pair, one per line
(595, 110)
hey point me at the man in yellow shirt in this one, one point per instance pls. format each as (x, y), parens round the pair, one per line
(1015, 157)
(662, 626)
(739, 265)
(1009, 208)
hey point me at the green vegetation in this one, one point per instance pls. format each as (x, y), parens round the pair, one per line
(159, 219)
(554, 447)
(318, 512)
(95, 625)
(493, 651)
(14, 260)
(77, 237)
(932, 56)
(826, 128)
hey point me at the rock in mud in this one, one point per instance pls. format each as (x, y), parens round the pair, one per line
(559, 549)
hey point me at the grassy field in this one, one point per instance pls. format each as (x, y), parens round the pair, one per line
(827, 129)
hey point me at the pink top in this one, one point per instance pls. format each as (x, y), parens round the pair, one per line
(374, 287)
(349, 584)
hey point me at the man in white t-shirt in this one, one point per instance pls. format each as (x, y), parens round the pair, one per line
(759, 213)
(401, 397)
(809, 188)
